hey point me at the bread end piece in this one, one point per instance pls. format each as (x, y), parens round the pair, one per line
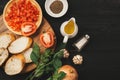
(3, 55)
(15, 64)
(6, 39)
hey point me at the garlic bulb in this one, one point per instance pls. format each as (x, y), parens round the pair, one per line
(77, 59)
(66, 53)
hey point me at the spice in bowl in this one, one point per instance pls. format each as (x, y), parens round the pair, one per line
(56, 7)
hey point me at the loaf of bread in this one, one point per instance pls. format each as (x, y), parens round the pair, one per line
(15, 64)
(3, 55)
(6, 39)
(20, 45)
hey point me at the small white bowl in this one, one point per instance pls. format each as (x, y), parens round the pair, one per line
(57, 15)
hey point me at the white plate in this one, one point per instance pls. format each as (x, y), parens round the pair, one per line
(47, 8)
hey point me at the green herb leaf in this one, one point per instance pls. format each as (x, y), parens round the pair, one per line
(57, 76)
(47, 62)
(50, 78)
(35, 55)
(57, 63)
(47, 52)
(59, 54)
(46, 56)
(38, 74)
(36, 49)
(61, 75)
(48, 69)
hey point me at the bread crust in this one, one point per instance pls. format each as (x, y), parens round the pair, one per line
(15, 64)
(9, 37)
(29, 67)
(14, 44)
(3, 55)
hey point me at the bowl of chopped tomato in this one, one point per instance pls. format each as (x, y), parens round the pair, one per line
(22, 17)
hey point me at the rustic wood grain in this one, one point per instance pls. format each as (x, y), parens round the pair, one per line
(45, 26)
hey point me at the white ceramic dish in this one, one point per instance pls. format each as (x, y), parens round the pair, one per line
(64, 10)
(66, 36)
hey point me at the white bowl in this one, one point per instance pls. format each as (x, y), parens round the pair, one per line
(64, 10)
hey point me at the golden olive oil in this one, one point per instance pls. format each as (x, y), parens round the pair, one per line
(69, 27)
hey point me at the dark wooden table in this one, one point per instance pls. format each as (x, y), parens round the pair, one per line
(101, 20)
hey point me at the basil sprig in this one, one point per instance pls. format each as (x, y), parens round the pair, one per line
(47, 62)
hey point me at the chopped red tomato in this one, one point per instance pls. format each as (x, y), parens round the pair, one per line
(28, 28)
(21, 11)
(47, 39)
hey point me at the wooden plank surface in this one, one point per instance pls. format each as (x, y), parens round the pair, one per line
(45, 26)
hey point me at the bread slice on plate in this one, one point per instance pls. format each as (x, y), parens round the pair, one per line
(15, 64)
(27, 54)
(3, 55)
(20, 45)
(6, 39)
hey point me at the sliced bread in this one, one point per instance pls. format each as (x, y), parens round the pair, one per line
(27, 54)
(6, 39)
(3, 55)
(29, 67)
(20, 45)
(15, 64)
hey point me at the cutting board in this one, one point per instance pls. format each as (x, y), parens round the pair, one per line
(45, 26)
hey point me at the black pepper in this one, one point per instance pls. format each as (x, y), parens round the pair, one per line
(56, 7)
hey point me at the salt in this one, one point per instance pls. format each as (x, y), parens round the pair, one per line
(82, 42)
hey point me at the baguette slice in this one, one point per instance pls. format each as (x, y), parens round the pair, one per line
(6, 39)
(29, 67)
(27, 54)
(20, 45)
(3, 55)
(15, 64)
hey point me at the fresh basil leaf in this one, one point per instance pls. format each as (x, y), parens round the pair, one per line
(47, 62)
(61, 75)
(50, 78)
(58, 76)
(36, 50)
(48, 69)
(57, 63)
(47, 53)
(59, 54)
(40, 66)
(35, 55)
(40, 73)
(39, 70)
(34, 58)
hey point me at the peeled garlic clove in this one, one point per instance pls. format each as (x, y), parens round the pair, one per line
(77, 59)
(66, 53)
